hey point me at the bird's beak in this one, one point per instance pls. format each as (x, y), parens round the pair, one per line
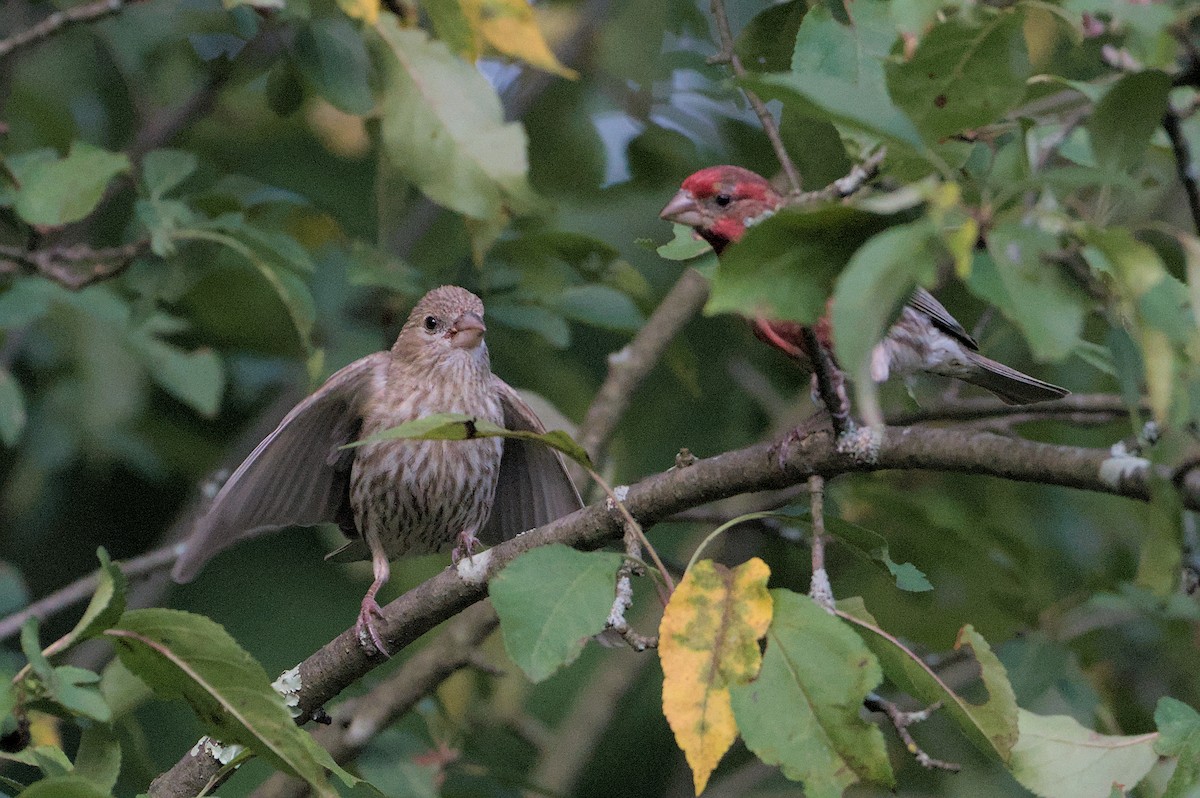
(683, 209)
(467, 331)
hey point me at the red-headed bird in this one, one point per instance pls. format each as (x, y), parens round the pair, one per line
(720, 202)
(399, 496)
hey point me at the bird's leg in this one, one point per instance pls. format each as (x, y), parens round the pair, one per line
(465, 545)
(367, 632)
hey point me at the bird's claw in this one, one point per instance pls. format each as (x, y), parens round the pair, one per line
(465, 545)
(368, 633)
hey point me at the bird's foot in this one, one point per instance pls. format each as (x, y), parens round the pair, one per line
(368, 633)
(779, 450)
(465, 545)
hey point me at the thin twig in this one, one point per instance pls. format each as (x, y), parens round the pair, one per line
(63, 263)
(88, 12)
(728, 55)
(830, 383)
(82, 589)
(630, 365)
(819, 589)
(624, 596)
(901, 720)
(843, 187)
(1076, 407)
(1183, 164)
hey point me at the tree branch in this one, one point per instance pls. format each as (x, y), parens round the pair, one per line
(82, 589)
(630, 365)
(1079, 408)
(343, 661)
(62, 263)
(356, 721)
(1183, 164)
(88, 12)
(728, 55)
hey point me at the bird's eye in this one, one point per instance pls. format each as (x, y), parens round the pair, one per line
(431, 323)
(724, 199)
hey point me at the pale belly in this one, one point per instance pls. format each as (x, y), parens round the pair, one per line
(415, 497)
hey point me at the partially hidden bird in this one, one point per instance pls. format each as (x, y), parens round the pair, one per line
(401, 496)
(719, 203)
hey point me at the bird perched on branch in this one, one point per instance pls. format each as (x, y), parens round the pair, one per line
(720, 202)
(399, 496)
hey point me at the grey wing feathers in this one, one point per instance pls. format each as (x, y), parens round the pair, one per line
(296, 476)
(925, 302)
(534, 487)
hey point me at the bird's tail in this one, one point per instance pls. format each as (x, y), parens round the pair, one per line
(1012, 386)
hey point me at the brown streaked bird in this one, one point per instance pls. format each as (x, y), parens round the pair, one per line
(720, 202)
(403, 496)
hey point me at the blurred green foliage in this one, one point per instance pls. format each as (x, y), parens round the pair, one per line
(205, 206)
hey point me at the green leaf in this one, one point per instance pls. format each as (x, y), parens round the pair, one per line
(534, 318)
(444, 130)
(802, 712)
(871, 290)
(330, 54)
(1055, 757)
(874, 546)
(784, 267)
(99, 757)
(853, 53)
(49, 759)
(164, 170)
(106, 606)
(21, 165)
(1126, 117)
(684, 244)
(63, 684)
(451, 25)
(12, 409)
(765, 43)
(195, 378)
(292, 292)
(460, 427)
(601, 306)
(991, 726)
(1030, 291)
(374, 267)
(181, 655)
(285, 90)
(1179, 736)
(962, 77)
(860, 108)
(550, 601)
(69, 786)
(65, 190)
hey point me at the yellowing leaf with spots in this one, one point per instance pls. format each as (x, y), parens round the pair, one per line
(509, 28)
(366, 10)
(708, 641)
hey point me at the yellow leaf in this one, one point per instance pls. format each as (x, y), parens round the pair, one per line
(366, 10)
(509, 28)
(708, 640)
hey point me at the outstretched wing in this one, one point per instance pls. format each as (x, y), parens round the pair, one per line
(296, 476)
(924, 301)
(533, 488)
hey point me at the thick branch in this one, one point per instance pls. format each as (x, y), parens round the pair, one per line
(357, 721)
(343, 661)
(88, 12)
(629, 366)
